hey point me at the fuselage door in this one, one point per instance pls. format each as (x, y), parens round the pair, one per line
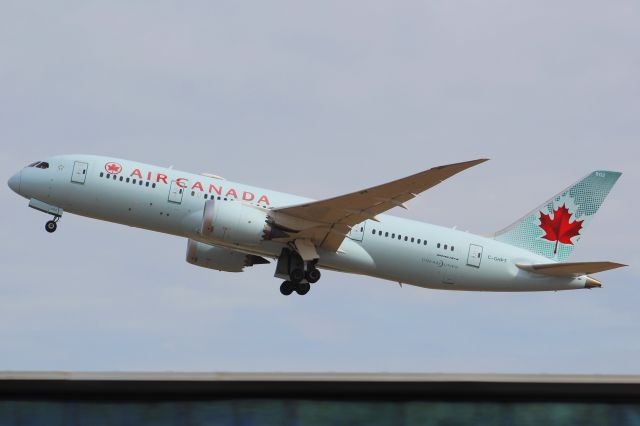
(357, 232)
(475, 255)
(79, 174)
(175, 192)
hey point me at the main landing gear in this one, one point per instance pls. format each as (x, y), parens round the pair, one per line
(52, 225)
(298, 274)
(288, 287)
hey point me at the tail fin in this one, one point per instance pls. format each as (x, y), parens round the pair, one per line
(553, 229)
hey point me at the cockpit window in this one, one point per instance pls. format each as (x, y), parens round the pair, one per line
(39, 164)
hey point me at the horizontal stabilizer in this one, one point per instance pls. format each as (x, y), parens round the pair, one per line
(575, 269)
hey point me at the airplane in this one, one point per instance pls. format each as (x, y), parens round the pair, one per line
(230, 226)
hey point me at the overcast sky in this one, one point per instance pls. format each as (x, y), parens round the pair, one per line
(318, 99)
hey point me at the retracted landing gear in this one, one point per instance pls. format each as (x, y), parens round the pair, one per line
(299, 275)
(52, 225)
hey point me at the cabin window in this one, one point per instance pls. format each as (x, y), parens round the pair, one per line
(425, 242)
(418, 241)
(134, 181)
(399, 236)
(438, 245)
(193, 193)
(374, 232)
(406, 238)
(128, 180)
(114, 177)
(393, 235)
(146, 184)
(153, 185)
(140, 183)
(386, 234)
(101, 174)
(379, 232)
(451, 248)
(121, 178)
(206, 196)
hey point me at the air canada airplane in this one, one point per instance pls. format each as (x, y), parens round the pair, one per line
(232, 226)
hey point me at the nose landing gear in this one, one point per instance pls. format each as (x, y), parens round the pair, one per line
(49, 209)
(52, 225)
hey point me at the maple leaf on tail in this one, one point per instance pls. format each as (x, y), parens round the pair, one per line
(558, 229)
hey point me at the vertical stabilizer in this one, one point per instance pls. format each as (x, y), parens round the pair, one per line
(554, 228)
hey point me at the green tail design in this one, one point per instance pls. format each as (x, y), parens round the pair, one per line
(553, 229)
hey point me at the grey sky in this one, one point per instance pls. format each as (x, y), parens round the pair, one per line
(318, 99)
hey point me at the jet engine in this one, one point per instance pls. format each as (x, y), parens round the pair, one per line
(220, 258)
(236, 223)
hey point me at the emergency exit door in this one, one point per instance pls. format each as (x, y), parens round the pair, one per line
(175, 193)
(79, 174)
(475, 255)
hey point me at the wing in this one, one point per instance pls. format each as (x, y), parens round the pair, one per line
(327, 222)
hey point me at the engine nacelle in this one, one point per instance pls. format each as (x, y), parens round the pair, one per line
(220, 258)
(234, 222)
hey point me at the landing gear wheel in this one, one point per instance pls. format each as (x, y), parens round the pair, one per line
(51, 226)
(303, 288)
(286, 288)
(313, 275)
(296, 275)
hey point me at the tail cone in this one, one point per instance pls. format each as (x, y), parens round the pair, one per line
(592, 282)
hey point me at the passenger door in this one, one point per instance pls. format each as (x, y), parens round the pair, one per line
(475, 255)
(79, 173)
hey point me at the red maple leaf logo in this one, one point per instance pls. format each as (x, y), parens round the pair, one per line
(113, 167)
(559, 229)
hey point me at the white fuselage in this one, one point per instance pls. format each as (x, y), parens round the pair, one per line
(171, 201)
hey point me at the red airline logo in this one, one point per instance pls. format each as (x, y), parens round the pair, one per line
(113, 168)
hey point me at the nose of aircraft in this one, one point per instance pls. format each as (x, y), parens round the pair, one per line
(14, 182)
